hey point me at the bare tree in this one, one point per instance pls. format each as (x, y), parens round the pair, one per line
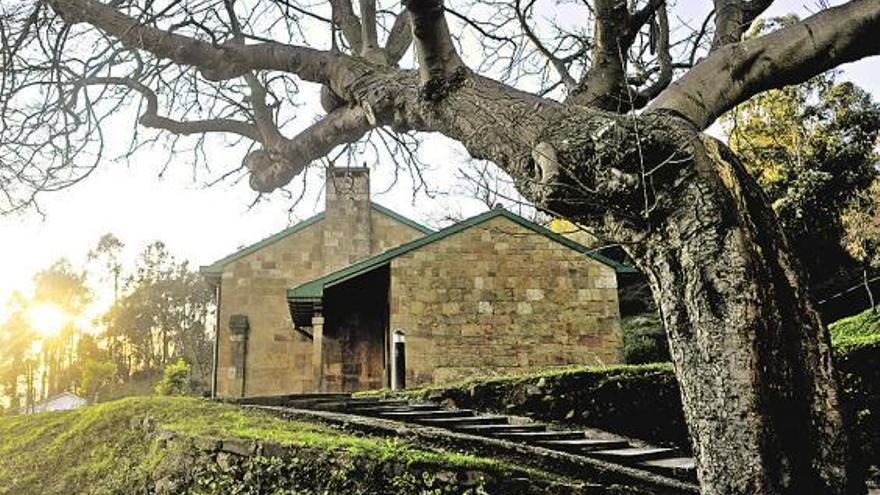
(598, 121)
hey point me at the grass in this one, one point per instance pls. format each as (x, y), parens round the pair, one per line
(859, 330)
(95, 450)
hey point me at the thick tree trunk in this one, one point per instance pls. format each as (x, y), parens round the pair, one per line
(753, 360)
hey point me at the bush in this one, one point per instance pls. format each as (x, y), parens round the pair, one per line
(176, 379)
(96, 377)
(644, 402)
(644, 339)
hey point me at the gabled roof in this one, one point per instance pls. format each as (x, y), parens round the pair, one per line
(314, 290)
(216, 268)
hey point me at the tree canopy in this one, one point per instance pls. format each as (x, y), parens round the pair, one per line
(811, 147)
(161, 315)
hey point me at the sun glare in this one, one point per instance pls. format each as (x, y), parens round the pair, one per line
(47, 319)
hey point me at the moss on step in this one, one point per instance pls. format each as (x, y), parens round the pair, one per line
(859, 330)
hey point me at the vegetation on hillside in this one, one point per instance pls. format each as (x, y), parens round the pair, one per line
(159, 314)
(811, 147)
(104, 449)
(644, 339)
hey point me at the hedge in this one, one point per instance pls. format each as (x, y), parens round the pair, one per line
(643, 401)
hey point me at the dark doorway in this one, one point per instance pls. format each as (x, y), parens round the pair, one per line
(355, 330)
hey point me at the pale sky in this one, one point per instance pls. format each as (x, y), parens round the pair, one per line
(204, 224)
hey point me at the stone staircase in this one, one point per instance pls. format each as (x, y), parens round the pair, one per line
(603, 446)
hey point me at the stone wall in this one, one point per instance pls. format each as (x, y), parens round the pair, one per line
(499, 298)
(279, 359)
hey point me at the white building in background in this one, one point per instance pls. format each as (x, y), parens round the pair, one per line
(61, 402)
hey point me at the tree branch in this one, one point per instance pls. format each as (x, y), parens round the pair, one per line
(369, 38)
(399, 39)
(560, 67)
(276, 167)
(604, 86)
(222, 62)
(343, 16)
(734, 73)
(733, 17)
(664, 62)
(643, 15)
(151, 118)
(263, 119)
(438, 60)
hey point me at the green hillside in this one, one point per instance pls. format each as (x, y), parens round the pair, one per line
(123, 447)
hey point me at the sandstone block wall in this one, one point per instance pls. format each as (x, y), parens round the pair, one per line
(498, 298)
(279, 359)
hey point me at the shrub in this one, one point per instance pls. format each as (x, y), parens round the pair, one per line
(96, 376)
(175, 380)
(644, 339)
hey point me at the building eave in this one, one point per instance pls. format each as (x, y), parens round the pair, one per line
(216, 269)
(315, 289)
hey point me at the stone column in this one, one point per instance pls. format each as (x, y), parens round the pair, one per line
(238, 334)
(318, 352)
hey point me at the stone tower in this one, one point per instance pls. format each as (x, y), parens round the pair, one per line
(347, 230)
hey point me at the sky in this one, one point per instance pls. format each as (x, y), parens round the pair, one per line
(202, 224)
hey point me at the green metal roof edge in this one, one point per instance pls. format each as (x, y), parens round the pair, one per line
(315, 288)
(402, 219)
(217, 267)
(570, 243)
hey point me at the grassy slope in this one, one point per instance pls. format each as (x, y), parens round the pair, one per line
(95, 450)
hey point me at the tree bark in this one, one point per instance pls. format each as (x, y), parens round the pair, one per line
(752, 357)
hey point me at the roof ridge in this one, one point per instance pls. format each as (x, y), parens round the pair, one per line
(217, 266)
(315, 288)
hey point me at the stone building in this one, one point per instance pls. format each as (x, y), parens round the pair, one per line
(314, 307)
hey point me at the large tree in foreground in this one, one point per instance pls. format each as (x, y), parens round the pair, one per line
(613, 142)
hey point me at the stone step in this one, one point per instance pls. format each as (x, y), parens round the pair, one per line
(454, 423)
(309, 403)
(284, 400)
(359, 405)
(501, 430)
(539, 435)
(633, 454)
(582, 445)
(413, 416)
(374, 410)
(677, 467)
(336, 406)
